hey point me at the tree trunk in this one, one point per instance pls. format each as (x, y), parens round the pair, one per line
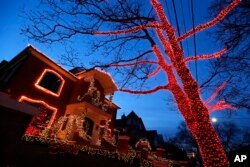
(209, 144)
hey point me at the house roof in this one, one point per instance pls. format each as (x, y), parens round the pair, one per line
(133, 115)
(103, 77)
(35, 52)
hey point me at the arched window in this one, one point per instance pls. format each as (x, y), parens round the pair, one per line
(88, 126)
(50, 82)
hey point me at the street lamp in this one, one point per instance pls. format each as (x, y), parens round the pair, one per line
(214, 120)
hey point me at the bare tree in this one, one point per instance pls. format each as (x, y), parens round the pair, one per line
(129, 22)
(234, 66)
(230, 135)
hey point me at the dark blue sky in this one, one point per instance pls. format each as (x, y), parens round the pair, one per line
(156, 110)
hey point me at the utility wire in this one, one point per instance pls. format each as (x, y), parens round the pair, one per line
(195, 54)
(176, 20)
(185, 29)
(168, 12)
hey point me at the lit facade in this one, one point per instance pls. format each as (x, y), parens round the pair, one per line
(34, 79)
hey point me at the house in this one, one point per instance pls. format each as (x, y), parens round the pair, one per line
(36, 80)
(133, 126)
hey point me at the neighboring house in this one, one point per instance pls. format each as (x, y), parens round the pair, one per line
(133, 126)
(34, 79)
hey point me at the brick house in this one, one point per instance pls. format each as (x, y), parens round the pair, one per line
(34, 79)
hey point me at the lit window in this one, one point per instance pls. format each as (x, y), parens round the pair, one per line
(50, 82)
(44, 119)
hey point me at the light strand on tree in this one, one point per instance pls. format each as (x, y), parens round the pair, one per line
(130, 30)
(133, 64)
(220, 105)
(180, 96)
(216, 92)
(206, 56)
(218, 18)
(210, 147)
(145, 91)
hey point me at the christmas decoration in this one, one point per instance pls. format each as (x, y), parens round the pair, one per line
(95, 97)
(44, 119)
(143, 144)
(186, 90)
(46, 90)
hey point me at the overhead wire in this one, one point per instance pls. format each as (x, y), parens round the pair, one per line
(194, 40)
(176, 20)
(168, 12)
(185, 28)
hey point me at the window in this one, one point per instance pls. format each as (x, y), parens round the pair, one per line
(88, 126)
(50, 82)
(44, 119)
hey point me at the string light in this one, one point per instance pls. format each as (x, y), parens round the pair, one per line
(24, 98)
(187, 94)
(57, 94)
(206, 56)
(211, 23)
(133, 64)
(130, 30)
(194, 111)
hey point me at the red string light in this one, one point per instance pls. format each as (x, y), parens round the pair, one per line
(24, 98)
(133, 64)
(145, 91)
(186, 91)
(206, 56)
(211, 23)
(130, 30)
(212, 97)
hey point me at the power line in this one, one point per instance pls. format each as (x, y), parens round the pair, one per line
(176, 20)
(168, 11)
(185, 29)
(195, 54)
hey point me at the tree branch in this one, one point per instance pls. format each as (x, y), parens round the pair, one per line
(211, 23)
(130, 30)
(145, 91)
(206, 56)
(135, 63)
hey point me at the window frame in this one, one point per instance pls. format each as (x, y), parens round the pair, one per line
(30, 100)
(37, 84)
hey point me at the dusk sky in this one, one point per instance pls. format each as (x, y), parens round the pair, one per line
(156, 110)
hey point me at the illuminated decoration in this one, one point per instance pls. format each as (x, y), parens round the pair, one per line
(133, 64)
(186, 90)
(24, 98)
(105, 133)
(211, 23)
(143, 144)
(219, 105)
(57, 94)
(69, 147)
(66, 127)
(205, 57)
(95, 96)
(131, 30)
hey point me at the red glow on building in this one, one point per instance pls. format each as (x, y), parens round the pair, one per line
(46, 90)
(24, 98)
